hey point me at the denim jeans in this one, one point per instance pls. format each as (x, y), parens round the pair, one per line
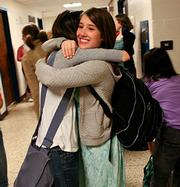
(166, 158)
(3, 164)
(64, 167)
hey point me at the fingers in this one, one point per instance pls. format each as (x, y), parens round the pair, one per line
(69, 48)
(125, 56)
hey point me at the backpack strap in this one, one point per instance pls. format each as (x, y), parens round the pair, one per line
(101, 101)
(106, 111)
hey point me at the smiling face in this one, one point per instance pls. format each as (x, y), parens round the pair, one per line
(88, 35)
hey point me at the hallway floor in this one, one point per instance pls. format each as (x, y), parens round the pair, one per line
(17, 128)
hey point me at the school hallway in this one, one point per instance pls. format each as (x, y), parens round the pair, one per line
(18, 127)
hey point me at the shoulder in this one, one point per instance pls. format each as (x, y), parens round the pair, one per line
(95, 68)
(94, 65)
(127, 33)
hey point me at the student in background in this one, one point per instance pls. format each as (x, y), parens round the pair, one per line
(164, 85)
(125, 39)
(3, 160)
(33, 38)
(20, 53)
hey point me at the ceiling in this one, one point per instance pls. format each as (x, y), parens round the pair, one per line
(54, 7)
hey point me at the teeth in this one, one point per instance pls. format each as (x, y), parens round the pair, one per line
(83, 40)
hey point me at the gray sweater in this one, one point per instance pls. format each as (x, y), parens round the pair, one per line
(94, 125)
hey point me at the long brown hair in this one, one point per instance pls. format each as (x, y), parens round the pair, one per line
(105, 23)
(66, 24)
(124, 20)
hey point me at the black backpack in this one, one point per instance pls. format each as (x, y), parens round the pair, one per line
(136, 116)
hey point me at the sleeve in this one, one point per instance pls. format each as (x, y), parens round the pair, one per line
(20, 53)
(111, 55)
(83, 55)
(149, 85)
(29, 70)
(87, 73)
(52, 44)
(128, 38)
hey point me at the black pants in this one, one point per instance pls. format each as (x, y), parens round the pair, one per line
(166, 158)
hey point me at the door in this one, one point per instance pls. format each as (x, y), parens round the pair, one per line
(144, 34)
(4, 65)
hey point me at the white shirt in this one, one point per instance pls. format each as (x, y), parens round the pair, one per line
(67, 134)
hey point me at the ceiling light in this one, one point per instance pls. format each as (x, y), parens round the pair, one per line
(70, 5)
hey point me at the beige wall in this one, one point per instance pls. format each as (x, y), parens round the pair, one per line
(139, 10)
(164, 24)
(48, 22)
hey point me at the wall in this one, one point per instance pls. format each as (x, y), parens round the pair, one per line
(18, 17)
(140, 10)
(166, 26)
(48, 22)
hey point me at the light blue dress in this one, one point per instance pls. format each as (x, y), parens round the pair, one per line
(103, 165)
(98, 170)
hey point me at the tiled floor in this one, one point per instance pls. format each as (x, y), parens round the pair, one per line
(18, 127)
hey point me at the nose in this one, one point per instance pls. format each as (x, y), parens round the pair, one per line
(82, 31)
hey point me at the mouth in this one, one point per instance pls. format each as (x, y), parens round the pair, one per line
(83, 40)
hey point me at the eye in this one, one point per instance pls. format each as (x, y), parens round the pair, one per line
(80, 26)
(91, 28)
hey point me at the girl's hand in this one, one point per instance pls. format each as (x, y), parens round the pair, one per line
(125, 56)
(68, 48)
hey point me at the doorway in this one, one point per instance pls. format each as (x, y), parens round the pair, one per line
(7, 63)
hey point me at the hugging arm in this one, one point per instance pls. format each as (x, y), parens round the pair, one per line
(45, 73)
(82, 55)
(52, 44)
(87, 73)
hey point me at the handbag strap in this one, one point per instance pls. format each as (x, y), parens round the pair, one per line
(60, 111)
(50, 61)
(57, 118)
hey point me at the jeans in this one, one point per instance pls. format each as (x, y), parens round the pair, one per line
(3, 164)
(64, 168)
(166, 158)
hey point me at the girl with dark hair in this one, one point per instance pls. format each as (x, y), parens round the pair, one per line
(125, 40)
(94, 126)
(33, 39)
(164, 85)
